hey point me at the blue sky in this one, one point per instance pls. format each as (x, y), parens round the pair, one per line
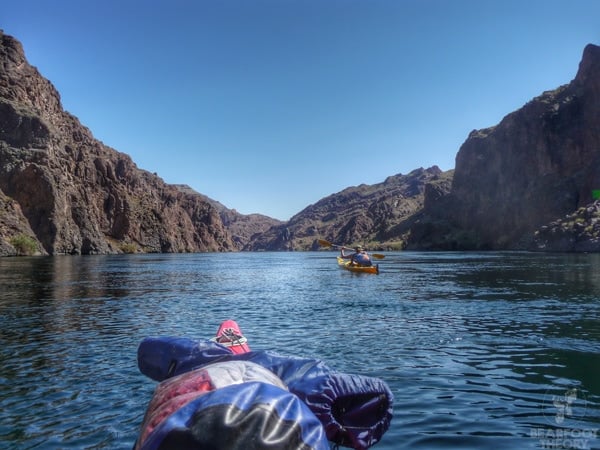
(270, 105)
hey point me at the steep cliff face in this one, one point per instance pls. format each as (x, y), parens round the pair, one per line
(73, 195)
(538, 164)
(242, 227)
(378, 215)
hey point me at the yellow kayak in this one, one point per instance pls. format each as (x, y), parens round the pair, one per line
(346, 264)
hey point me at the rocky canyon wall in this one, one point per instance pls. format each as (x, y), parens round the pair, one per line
(70, 194)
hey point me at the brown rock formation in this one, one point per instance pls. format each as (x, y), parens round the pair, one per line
(538, 164)
(14, 226)
(74, 195)
(378, 215)
(62, 191)
(577, 232)
(242, 227)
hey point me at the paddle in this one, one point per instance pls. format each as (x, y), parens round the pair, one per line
(325, 243)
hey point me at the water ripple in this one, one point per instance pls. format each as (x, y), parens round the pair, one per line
(478, 349)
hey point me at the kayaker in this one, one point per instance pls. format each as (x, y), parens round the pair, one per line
(360, 257)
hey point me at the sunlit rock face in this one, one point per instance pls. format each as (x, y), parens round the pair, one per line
(71, 194)
(378, 215)
(537, 165)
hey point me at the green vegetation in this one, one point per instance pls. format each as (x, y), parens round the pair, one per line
(24, 245)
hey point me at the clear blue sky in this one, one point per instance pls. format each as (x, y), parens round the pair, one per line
(270, 105)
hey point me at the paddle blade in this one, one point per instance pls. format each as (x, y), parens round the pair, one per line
(325, 243)
(377, 255)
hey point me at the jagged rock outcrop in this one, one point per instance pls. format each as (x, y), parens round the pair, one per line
(577, 232)
(73, 195)
(242, 227)
(537, 165)
(378, 215)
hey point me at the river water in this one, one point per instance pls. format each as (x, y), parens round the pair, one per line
(481, 350)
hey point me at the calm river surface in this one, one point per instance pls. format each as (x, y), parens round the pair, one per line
(481, 350)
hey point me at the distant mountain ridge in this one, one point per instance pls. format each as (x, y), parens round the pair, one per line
(243, 227)
(378, 215)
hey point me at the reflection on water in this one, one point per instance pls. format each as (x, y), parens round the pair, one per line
(481, 350)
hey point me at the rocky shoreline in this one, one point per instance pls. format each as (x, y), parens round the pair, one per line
(577, 232)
